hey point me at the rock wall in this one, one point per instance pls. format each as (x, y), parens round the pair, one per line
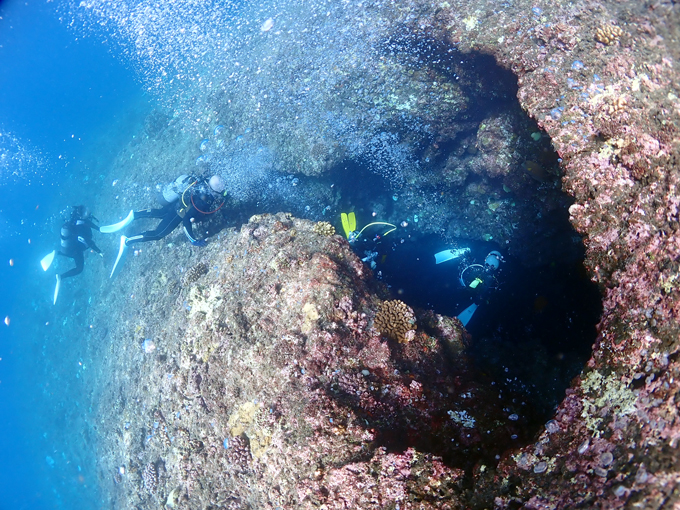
(611, 110)
(264, 384)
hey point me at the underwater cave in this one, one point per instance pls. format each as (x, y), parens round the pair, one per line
(486, 179)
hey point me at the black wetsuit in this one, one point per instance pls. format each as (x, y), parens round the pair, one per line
(171, 215)
(76, 237)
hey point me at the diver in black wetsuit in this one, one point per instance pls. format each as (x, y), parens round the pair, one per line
(187, 200)
(76, 237)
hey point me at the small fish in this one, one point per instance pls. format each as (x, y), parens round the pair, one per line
(7, 321)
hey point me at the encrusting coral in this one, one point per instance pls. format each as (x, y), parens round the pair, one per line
(194, 273)
(150, 478)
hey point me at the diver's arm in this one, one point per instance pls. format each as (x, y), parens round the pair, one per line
(187, 225)
(90, 224)
(92, 246)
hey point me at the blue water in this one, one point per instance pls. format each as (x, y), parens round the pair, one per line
(58, 93)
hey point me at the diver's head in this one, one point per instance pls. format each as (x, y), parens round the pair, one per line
(217, 184)
(493, 260)
(80, 212)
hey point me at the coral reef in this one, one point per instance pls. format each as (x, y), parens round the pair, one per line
(269, 386)
(277, 345)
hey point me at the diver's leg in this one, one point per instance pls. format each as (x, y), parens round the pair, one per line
(167, 225)
(151, 213)
(80, 263)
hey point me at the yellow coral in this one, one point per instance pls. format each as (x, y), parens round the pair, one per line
(618, 104)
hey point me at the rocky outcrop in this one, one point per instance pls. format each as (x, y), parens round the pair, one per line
(270, 387)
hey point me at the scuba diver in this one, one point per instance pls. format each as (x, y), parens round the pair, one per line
(477, 278)
(186, 200)
(76, 237)
(354, 236)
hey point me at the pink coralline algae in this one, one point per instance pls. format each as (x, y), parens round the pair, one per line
(276, 353)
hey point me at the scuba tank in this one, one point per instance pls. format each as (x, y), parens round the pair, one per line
(68, 237)
(172, 192)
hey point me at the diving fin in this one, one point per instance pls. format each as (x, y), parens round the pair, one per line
(445, 255)
(349, 223)
(56, 290)
(467, 314)
(121, 255)
(345, 224)
(109, 229)
(46, 261)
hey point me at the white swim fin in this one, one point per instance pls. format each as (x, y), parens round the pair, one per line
(56, 290)
(467, 314)
(121, 255)
(109, 229)
(46, 261)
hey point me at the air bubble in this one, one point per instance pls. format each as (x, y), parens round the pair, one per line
(606, 458)
(583, 447)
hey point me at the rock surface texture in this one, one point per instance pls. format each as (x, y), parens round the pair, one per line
(269, 387)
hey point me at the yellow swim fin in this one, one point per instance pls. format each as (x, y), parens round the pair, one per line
(349, 223)
(345, 224)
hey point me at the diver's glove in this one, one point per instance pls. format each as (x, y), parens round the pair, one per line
(199, 242)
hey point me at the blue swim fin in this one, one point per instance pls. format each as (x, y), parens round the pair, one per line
(109, 229)
(467, 314)
(121, 256)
